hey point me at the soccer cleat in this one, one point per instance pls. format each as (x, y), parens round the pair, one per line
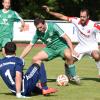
(48, 91)
(76, 79)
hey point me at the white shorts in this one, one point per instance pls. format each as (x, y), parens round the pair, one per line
(84, 50)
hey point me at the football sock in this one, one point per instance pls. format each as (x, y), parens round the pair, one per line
(43, 77)
(98, 66)
(34, 68)
(72, 70)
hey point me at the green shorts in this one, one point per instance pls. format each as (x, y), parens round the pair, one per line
(52, 53)
(3, 41)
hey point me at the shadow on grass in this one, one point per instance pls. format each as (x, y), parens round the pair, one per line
(34, 94)
(74, 83)
(51, 80)
(7, 93)
(90, 78)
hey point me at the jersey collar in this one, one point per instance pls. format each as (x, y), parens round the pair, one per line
(8, 56)
(86, 22)
(5, 11)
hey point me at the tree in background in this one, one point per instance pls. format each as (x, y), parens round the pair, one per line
(30, 9)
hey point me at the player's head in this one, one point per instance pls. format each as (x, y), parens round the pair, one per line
(6, 4)
(10, 48)
(40, 24)
(84, 15)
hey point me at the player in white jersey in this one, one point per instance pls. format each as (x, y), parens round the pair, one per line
(87, 30)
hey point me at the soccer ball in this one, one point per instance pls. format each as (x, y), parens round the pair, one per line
(62, 80)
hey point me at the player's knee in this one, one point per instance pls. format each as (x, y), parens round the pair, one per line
(69, 59)
(35, 59)
(96, 55)
(68, 56)
(97, 58)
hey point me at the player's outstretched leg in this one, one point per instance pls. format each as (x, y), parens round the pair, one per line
(33, 75)
(43, 78)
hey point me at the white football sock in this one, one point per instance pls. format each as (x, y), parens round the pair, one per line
(98, 66)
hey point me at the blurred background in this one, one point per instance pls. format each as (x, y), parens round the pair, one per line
(30, 9)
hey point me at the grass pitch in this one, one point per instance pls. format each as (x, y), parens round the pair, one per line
(86, 69)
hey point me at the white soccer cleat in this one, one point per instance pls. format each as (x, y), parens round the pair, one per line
(75, 79)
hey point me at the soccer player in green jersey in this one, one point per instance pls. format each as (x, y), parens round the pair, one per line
(7, 18)
(58, 44)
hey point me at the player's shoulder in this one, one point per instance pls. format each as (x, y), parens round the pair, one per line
(51, 24)
(91, 23)
(18, 60)
(12, 11)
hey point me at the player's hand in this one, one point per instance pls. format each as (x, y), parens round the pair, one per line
(46, 8)
(18, 95)
(21, 29)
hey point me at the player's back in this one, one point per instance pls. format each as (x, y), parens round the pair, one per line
(8, 66)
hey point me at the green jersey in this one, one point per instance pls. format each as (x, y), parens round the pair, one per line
(6, 23)
(51, 37)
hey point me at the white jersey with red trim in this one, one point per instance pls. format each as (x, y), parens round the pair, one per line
(86, 34)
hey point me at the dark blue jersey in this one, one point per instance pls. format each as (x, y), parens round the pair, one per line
(8, 67)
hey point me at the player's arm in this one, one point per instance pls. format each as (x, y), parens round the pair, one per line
(18, 82)
(22, 24)
(29, 47)
(68, 40)
(18, 18)
(58, 15)
(26, 50)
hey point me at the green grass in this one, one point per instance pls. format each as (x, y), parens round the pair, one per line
(86, 69)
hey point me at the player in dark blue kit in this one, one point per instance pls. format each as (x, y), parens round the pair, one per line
(11, 71)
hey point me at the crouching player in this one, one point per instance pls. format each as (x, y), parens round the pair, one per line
(11, 71)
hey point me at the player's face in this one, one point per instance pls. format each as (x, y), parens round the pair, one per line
(83, 17)
(41, 27)
(6, 4)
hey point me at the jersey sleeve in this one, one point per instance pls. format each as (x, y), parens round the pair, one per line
(58, 30)
(19, 65)
(35, 38)
(17, 17)
(97, 26)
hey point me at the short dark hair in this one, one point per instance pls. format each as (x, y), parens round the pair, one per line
(38, 20)
(10, 48)
(86, 10)
(4, 0)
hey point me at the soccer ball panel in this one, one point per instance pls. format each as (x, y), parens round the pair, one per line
(62, 80)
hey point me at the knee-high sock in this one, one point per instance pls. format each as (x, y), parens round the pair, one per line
(72, 70)
(42, 72)
(43, 77)
(98, 66)
(33, 69)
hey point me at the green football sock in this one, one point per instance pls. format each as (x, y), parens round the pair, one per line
(71, 70)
